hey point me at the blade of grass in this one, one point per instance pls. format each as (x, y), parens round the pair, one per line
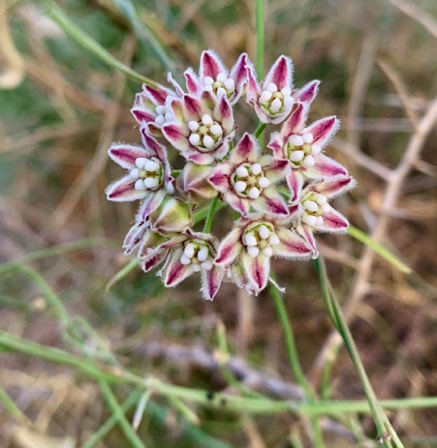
(88, 43)
(118, 413)
(12, 408)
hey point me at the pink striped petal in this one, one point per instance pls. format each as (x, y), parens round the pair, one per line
(325, 167)
(134, 237)
(229, 248)
(276, 170)
(175, 106)
(333, 187)
(307, 93)
(209, 104)
(220, 178)
(123, 190)
(192, 108)
(280, 74)
(271, 202)
(323, 130)
(308, 235)
(294, 180)
(175, 272)
(333, 222)
(257, 270)
(292, 246)
(240, 205)
(193, 83)
(211, 65)
(295, 122)
(177, 135)
(193, 181)
(125, 155)
(238, 72)
(159, 95)
(150, 241)
(211, 281)
(253, 88)
(172, 216)
(201, 158)
(142, 115)
(151, 203)
(171, 243)
(152, 261)
(156, 148)
(226, 115)
(178, 89)
(276, 144)
(246, 150)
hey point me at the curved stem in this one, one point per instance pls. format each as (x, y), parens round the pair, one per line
(260, 129)
(208, 222)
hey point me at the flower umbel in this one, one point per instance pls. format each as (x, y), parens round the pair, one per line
(199, 124)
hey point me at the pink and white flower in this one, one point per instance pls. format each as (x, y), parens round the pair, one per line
(302, 146)
(247, 179)
(185, 254)
(152, 107)
(203, 128)
(214, 77)
(315, 212)
(274, 97)
(252, 242)
(193, 183)
(149, 174)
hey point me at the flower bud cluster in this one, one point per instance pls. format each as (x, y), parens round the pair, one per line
(280, 193)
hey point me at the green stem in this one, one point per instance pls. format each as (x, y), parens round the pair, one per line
(381, 421)
(260, 129)
(118, 413)
(260, 38)
(11, 407)
(209, 218)
(294, 359)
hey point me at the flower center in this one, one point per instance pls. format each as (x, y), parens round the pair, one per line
(163, 115)
(314, 205)
(300, 150)
(260, 239)
(198, 254)
(222, 86)
(249, 180)
(206, 134)
(275, 102)
(148, 174)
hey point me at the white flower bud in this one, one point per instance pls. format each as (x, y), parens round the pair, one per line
(196, 267)
(289, 101)
(221, 77)
(326, 208)
(309, 219)
(242, 171)
(194, 139)
(253, 193)
(206, 119)
(160, 110)
(216, 129)
(276, 105)
(169, 116)
(286, 91)
(296, 156)
(308, 138)
(263, 182)
(253, 251)
(139, 185)
(255, 168)
(193, 126)
(221, 92)
(316, 149)
(319, 221)
(229, 85)
(296, 140)
(264, 232)
(208, 88)
(203, 254)
(185, 260)
(250, 239)
(308, 161)
(140, 162)
(207, 265)
(272, 87)
(311, 206)
(160, 120)
(321, 199)
(189, 250)
(274, 239)
(151, 182)
(267, 251)
(208, 81)
(265, 97)
(151, 165)
(135, 173)
(240, 186)
(209, 142)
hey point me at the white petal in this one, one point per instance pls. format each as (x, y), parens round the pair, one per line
(194, 139)
(311, 206)
(216, 129)
(207, 88)
(221, 77)
(253, 251)
(289, 101)
(207, 81)
(185, 260)
(326, 208)
(207, 265)
(151, 165)
(160, 110)
(255, 168)
(308, 161)
(209, 142)
(308, 138)
(139, 185)
(135, 173)
(240, 186)
(160, 120)
(296, 140)
(267, 251)
(264, 232)
(151, 182)
(286, 91)
(203, 254)
(316, 149)
(193, 126)
(250, 239)
(276, 105)
(196, 268)
(274, 239)
(296, 156)
(265, 96)
(221, 92)
(206, 119)
(309, 219)
(169, 116)
(189, 250)
(263, 182)
(230, 85)
(140, 162)
(253, 193)
(319, 221)
(272, 87)
(242, 171)
(321, 199)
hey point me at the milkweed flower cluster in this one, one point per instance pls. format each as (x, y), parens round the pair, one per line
(280, 193)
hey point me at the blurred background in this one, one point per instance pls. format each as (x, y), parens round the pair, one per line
(60, 109)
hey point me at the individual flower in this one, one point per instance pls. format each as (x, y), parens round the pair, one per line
(149, 177)
(193, 183)
(252, 242)
(185, 254)
(151, 108)
(214, 77)
(302, 146)
(274, 97)
(172, 217)
(316, 215)
(247, 179)
(203, 128)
